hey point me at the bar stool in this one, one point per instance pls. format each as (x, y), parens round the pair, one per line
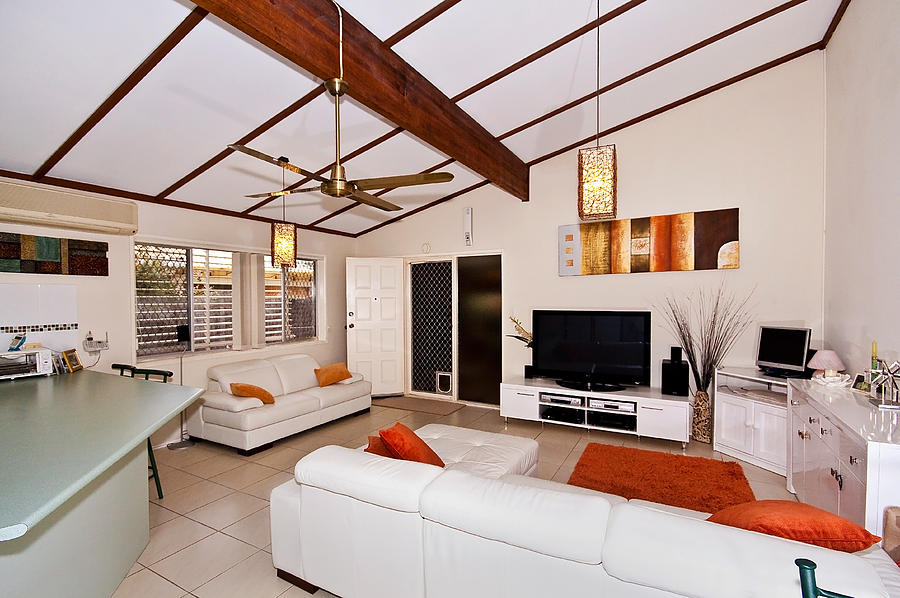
(147, 374)
(158, 376)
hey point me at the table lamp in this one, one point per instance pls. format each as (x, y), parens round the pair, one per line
(826, 363)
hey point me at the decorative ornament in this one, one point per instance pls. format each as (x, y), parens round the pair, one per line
(523, 335)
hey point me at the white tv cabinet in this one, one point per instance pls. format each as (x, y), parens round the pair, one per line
(750, 422)
(641, 411)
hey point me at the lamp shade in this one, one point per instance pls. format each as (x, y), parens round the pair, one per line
(826, 360)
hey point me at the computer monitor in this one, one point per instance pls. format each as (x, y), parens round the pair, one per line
(781, 350)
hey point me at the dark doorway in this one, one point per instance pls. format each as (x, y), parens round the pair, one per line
(480, 321)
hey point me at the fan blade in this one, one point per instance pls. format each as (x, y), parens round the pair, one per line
(285, 192)
(406, 180)
(375, 202)
(267, 158)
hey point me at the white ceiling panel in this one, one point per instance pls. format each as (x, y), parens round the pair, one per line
(766, 41)
(474, 40)
(56, 74)
(306, 138)
(386, 19)
(634, 40)
(401, 154)
(210, 90)
(362, 217)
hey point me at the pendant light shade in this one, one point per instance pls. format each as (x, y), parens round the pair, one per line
(284, 244)
(597, 182)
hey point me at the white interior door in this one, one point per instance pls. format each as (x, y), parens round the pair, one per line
(375, 322)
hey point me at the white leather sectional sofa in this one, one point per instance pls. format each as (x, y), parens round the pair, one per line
(300, 404)
(360, 525)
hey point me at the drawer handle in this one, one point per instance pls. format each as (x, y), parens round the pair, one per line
(854, 460)
(825, 431)
(840, 481)
(525, 394)
(813, 420)
(652, 408)
(803, 435)
(794, 403)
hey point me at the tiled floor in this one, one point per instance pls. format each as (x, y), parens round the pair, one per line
(209, 536)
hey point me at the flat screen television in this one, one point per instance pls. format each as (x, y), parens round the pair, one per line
(782, 351)
(593, 350)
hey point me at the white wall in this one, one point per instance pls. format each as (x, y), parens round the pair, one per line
(862, 238)
(757, 145)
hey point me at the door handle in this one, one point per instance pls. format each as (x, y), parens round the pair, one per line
(794, 403)
(813, 420)
(840, 481)
(824, 431)
(803, 435)
(854, 460)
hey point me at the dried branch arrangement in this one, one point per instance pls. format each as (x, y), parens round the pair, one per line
(523, 335)
(707, 325)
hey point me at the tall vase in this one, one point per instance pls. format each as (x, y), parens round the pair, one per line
(701, 425)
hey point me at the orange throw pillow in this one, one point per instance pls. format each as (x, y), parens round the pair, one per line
(797, 521)
(378, 447)
(404, 444)
(239, 389)
(330, 374)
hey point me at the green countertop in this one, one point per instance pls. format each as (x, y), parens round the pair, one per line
(58, 433)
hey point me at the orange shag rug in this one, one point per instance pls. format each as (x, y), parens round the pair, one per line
(696, 483)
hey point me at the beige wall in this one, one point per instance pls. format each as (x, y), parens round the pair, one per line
(757, 145)
(862, 236)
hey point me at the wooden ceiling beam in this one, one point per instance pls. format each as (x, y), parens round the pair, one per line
(838, 15)
(306, 33)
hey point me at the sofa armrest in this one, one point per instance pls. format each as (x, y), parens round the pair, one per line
(688, 557)
(229, 402)
(390, 483)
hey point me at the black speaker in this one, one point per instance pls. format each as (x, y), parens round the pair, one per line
(675, 376)
(529, 372)
(676, 354)
(183, 333)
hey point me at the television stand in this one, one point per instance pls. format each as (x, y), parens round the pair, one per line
(637, 410)
(591, 386)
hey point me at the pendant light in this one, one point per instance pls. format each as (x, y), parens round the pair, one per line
(284, 236)
(597, 168)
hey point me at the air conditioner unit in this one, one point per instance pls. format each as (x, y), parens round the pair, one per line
(23, 204)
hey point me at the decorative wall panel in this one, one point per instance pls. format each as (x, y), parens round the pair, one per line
(31, 254)
(688, 241)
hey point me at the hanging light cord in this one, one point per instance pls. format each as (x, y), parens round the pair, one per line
(340, 38)
(598, 73)
(283, 188)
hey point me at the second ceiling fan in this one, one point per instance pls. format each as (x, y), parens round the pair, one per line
(337, 185)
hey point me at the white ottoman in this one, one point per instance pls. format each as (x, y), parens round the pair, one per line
(486, 454)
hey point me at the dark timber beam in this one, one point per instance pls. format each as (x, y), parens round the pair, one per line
(306, 33)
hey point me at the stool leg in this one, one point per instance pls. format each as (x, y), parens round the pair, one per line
(155, 474)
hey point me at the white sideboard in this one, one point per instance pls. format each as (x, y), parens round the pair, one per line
(751, 421)
(844, 452)
(641, 411)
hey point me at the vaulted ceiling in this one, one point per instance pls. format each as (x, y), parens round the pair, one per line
(139, 99)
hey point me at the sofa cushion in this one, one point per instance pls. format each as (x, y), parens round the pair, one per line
(258, 372)
(482, 453)
(331, 373)
(338, 393)
(295, 371)
(286, 407)
(555, 522)
(390, 483)
(227, 402)
(251, 390)
(676, 555)
(404, 444)
(797, 521)
(885, 566)
(669, 509)
(524, 480)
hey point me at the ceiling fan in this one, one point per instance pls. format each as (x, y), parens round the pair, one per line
(337, 184)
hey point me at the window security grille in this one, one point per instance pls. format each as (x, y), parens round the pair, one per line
(431, 294)
(290, 302)
(176, 286)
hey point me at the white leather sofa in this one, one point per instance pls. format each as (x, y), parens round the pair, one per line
(300, 404)
(360, 525)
